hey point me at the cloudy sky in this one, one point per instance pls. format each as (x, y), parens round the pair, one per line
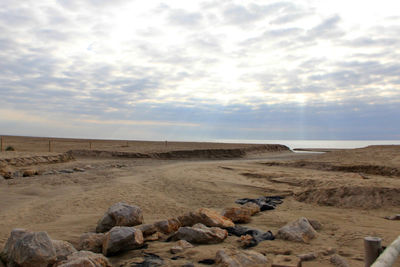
(200, 70)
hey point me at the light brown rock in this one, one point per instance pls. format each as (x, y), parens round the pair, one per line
(339, 261)
(121, 238)
(245, 241)
(33, 250)
(253, 208)
(207, 217)
(236, 258)
(308, 256)
(63, 249)
(180, 246)
(153, 237)
(315, 224)
(85, 259)
(237, 214)
(29, 172)
(286, 261)
(120, 214)
(168, 226)
(176, 249)
(298, 231)
(201, 234)
(91, 242)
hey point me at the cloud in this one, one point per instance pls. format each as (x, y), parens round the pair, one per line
(181, 17)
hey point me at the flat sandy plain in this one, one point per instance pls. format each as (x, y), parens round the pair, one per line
(348, 191)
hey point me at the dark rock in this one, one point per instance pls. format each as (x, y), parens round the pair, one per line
(66, 171)
(168, 226)
(147, 229)
(15, 235)
(122, 238)
(308, 256)
(207, 261)
(120, 214)
(265, 203)
(150, 260)
(395, 217)
(63, 249)
(257, 235)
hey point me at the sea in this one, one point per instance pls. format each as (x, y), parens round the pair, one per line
(338, 144)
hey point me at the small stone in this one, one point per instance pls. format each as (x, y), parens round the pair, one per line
(66, 171)
(286, 261)
(236, 258)
(308, 256)
(168, 226)
(298, 231)
(315, 224)
(395, 217)
(122, 238)
(246, 241)
(147, 229)
(63, 249)
(79, 169)
(184, 244)
(208, 217)
(339, 261)
(153, 237)
(84, 259)
(29, 172)
(253, 208)
(120, 214)
(201, 234)
(91, 242)
(237, 214)
(176, 249)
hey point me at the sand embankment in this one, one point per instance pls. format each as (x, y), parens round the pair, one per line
(28, 159)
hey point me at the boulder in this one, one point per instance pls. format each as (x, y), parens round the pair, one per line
(84, 259)
(15, 235)
(147, 229)
(236, 258)
(298, 231)
(168, 226)
(63, 249)
(33, 250)
(286, 261)
(207, 217)
(201, 234)
(121, 238)
(181, 246)
(91, 242)
(339, 261)
(237, 214)
(120, 214)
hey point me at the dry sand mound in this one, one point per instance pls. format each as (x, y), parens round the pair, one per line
(352, 197)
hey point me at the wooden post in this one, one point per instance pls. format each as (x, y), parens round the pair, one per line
(372, 249)
(90, 145)
(49, 145)
(1, 142)
(389, 256)
(166, 143)
(127, 143)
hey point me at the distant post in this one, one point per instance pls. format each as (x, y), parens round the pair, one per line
(49, 145)
(372, 249)
(90, 145)
(127, 143)
(166, 143)
(1, 142)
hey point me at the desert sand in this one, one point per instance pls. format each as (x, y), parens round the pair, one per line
(348, 191)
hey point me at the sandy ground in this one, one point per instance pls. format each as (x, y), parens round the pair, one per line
(67, 205)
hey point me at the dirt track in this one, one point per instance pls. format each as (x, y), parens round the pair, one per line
(67, 205)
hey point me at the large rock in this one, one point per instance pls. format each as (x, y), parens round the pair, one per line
(15, 235)
(91, 242)
(147, 229)
(207, 217)
(120, 214)
(84, 259)
(168, 226)
(201, 234)
(235, 258)
(33, 250)
(253, 208)
(237, 214)
(298, 231)
(63, 249)
(121, 238)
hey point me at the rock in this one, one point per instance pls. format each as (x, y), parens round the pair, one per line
(286, 261)
(180, 246)
(150, 260)
(315, 224)
(339, 261)
(265, 202)
(234, 258)
(253, 208)
(168, 226)
(256, 235)
(246, 241)
(153, 237)
(147, 229)
(7, 172)
(120, 214)
(91, 242)
(15, 235)
(393, 217)
(201, 234)
(207, 217)
(79, 169)
(121, 238)
(84, 259)
(29, 172)
(63, 249)
(237, 215)
(308, 256)
(33, 250)
(66, 171)
(298, 231)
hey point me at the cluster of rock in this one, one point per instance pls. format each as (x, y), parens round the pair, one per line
(121, 229)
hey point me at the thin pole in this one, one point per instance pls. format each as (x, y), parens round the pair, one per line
(90, 145)
(49, 145)
(372, 249)
(1, 144)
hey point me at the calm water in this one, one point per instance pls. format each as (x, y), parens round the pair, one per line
(319, 143)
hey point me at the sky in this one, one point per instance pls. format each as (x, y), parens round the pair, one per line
(200, 70)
